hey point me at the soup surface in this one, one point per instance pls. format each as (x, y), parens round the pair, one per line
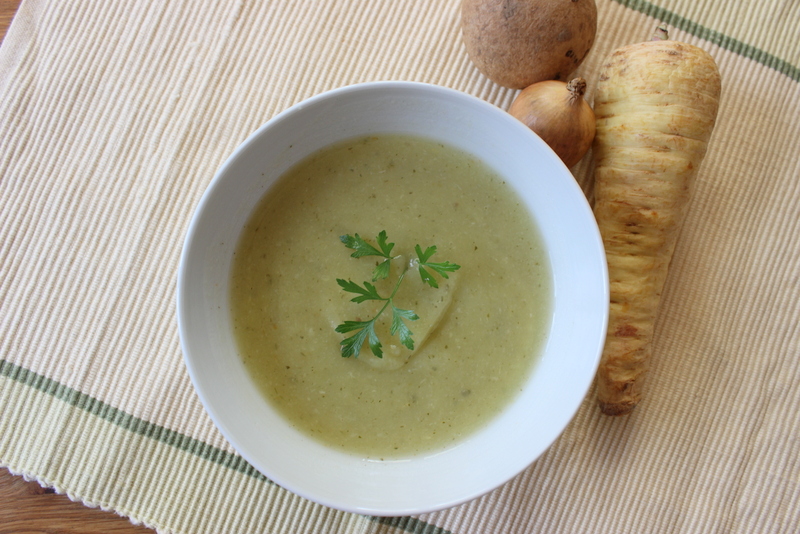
(478, 335)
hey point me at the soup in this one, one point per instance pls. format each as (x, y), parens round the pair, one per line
(478, 335)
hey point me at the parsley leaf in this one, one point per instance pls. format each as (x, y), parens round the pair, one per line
(399, 327)
(381, 271)
(442, 268)
(368, 292)
(351, 346)
(386, 248)
(365, 330)
(362, 248)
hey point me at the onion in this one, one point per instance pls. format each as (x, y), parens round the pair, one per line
(559, 114)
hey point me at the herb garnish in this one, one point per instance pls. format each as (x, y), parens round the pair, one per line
(365, 330)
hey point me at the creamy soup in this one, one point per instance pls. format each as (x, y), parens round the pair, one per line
(478, 335)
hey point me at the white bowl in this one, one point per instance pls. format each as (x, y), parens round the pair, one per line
(510, 442)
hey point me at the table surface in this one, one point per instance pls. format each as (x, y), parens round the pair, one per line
(26, 506)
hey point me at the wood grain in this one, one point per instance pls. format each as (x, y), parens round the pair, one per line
(26, 507)
(7, 10)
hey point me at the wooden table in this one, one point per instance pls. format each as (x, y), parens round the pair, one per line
(26, 507)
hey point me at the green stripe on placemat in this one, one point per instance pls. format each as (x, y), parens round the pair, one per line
(712, 36)
(127, 421)
(410, 524)
(172, 438)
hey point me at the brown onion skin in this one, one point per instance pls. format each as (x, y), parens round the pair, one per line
(557, 112)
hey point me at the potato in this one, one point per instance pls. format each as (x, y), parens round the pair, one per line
(516, 43)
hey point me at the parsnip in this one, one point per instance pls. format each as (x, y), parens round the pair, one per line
(656, 103)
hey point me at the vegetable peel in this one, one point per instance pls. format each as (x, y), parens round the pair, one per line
(656, 105)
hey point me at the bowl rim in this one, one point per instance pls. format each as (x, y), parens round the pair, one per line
(182, 291)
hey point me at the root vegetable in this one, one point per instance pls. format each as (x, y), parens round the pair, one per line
(656, 104)
(560, 115)
(516, 43)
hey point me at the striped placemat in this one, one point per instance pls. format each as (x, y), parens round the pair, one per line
(115, 115)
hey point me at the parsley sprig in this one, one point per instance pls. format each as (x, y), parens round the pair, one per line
(365, 330)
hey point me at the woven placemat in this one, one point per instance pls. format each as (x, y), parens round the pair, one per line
(114, 116)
